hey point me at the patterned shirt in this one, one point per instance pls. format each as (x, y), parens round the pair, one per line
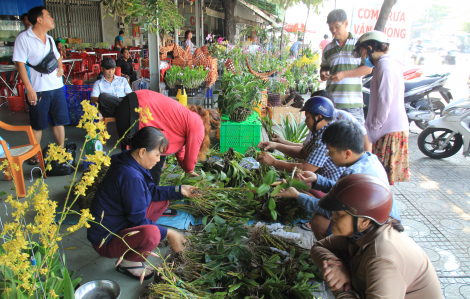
(118, 88)
(347, 92)
(317, 156)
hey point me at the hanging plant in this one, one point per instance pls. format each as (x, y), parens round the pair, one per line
(148, 12)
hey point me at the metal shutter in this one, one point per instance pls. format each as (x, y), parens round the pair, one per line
(76, 19)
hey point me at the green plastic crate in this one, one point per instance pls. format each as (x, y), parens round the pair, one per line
(240, 136)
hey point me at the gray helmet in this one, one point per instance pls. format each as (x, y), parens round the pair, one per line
(366, 38)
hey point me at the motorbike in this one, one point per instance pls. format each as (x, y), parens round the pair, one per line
(445, 136)
(418, 55)
(450, 58)
(420, 107)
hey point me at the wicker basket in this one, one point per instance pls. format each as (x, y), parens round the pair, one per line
(264, 98)
(178, 51)
(205, 50)
(229, 65)
(274, 100)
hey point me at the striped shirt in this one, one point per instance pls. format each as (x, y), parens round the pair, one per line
(347, 93)
(118, 88)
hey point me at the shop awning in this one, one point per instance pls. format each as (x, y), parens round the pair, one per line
(268, 17)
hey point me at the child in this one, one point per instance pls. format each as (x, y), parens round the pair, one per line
(318, 116)
(345, 144)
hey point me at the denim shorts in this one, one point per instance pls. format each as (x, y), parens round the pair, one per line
(51, 103)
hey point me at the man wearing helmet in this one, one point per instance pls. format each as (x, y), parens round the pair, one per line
(319, 114)
(341, 69)
(368, 256)
(387, 123)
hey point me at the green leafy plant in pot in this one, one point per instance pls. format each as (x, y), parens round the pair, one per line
(241, 99)
(173, 78)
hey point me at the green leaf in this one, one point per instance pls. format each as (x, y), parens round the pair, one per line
(300, 185)
(250, 196)
(235, 287)
(219, 220)
(237, 238)
(221, 185)
(204, 220)
(274, 214)
(270, 177)
(68, 287)
(292, 252)
(263, 189)
(276, 190)
(220, 248)
(3, 193)
(223, 176)
(272, 204)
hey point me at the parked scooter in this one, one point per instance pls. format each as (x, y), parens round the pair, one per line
(445, 136)
(420, 107)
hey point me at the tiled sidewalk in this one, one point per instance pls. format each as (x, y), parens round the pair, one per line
(435, 209)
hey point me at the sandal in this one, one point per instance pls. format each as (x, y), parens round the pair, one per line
(306, 226)
(33, 161)
(125, 271)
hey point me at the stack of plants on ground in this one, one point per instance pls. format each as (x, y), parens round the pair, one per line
(228, 257)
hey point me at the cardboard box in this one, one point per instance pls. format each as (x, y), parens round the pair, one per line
(282, 112)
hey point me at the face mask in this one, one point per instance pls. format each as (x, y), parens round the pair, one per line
(368, 62)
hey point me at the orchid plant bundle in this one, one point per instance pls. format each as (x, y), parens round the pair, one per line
(193, 77)
(173, 76)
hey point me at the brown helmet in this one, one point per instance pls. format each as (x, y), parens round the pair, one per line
(360, 195)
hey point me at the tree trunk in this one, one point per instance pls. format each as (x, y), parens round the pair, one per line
(282, 33)
(384, 13)
(308, 13)
(229, 21)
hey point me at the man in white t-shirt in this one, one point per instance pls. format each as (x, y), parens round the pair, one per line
(338, 115)
(45, 92)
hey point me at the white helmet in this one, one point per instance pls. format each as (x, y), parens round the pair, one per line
(376, 35)
(373, 35)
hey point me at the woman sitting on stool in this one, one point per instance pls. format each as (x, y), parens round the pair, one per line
(130, 201)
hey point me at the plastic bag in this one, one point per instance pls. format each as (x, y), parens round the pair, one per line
(61, 169)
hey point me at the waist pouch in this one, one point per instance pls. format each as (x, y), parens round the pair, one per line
(48, 63)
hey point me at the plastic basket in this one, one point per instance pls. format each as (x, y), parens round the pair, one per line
(75, 94)
(240, 136)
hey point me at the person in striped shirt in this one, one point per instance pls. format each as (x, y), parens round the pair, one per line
(342, 71)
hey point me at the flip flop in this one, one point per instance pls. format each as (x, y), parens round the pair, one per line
(305, 227)
(125, 271)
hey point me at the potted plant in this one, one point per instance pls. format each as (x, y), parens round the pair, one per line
(276, 88)
(303, 86)
(192, 79)
(172, 79)
(240, 100)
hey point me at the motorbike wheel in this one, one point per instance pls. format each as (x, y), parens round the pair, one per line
(431, 138)
(438, 107)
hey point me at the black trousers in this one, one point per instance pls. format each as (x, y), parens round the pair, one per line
(108, 104)
(125, 116)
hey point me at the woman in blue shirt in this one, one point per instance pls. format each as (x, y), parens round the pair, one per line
(130, 202)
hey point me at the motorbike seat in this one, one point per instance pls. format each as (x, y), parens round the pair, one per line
(412, 84)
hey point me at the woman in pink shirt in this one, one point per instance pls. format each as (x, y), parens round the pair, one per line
(386, 124)
(186, 128)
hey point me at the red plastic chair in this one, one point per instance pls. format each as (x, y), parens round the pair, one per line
(163, 71)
